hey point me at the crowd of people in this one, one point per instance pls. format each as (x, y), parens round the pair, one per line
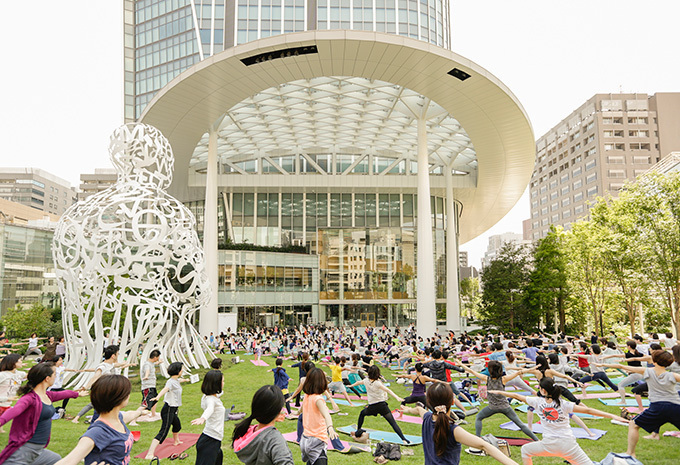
(449, 374)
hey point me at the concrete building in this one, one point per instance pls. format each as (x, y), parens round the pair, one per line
(37, 189)
(91, 183)
(348, 130)
(463, 258)
(496, 243)
(609, 139)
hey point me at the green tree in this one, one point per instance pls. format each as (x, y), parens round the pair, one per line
(547, 288)
(624, 255)
(20, 322)
(654, 202)
(587, 271)
(470, 296)
(503, 283)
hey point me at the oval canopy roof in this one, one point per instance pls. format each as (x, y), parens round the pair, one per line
(492, 118)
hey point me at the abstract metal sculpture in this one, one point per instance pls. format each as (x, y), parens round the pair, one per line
(128, 261)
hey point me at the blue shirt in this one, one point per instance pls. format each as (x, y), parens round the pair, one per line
(44, 427)
(452, 454)
(281, 378)
(110, 446)
(530, 353)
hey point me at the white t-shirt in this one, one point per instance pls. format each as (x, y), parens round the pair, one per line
(374, 391)
(150, 382)
(174, 395)
(554, 418)
(213, 412)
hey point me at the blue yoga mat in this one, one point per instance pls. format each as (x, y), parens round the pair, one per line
(525, 408)
(629, 402)
(579, 433)
(593, 388)
(386, 436)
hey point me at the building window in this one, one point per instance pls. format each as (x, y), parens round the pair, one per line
(615, 160)
(592, 191)
(566, 214)
(591, 178)
(616, 173)
(642, 160)
(576, 172)
(578, 196)
(639, 146)
(566, 202)
(590, 165)
(578, 209)
(578, 183)
(565, 190)
(544, 211)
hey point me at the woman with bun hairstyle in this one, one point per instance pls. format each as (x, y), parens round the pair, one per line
(442, 438)
(32, 415)
(262, 444)
(558, 437)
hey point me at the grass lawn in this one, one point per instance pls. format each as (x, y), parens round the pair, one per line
(242, 380)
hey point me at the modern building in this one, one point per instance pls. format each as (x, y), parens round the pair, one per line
(26, 268)
(91, 183)
(348, 131)
(463, 258)
(496, 243)
(609, 139)
(37, 189)
(16, 213)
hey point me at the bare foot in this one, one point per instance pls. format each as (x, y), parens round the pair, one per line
(653, 436)
(623, 402)
(75, 420)
(177, 443)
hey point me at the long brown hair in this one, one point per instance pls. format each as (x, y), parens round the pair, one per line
(440, 395)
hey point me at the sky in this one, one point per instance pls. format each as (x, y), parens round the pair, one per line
(62, 80)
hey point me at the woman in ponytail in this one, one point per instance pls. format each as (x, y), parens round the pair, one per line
(262, 443)
(442, 438)
(558, 438)
(32, 415)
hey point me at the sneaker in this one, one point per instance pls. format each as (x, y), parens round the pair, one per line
(473, 451)
(60, 412)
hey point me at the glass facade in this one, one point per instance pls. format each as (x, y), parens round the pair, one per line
(26, 267)
(165, 37)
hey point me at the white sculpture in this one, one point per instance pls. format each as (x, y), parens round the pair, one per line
(128, 261)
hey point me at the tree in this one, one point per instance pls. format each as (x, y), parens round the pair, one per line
(20, 322)
(547, 288)
(470, 296)
(503, 284)
(625, 256)
(587, 271)
(654, 202)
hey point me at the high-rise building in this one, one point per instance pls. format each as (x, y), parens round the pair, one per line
(463, 258)
(37, 189)
(345, 130)
(91, 183)
(496, 243)
(609, 139)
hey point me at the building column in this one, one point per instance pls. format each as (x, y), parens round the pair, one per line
(208, 321)
(452, 284)
(426, 309)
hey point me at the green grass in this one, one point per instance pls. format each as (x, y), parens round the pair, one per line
(242, 380)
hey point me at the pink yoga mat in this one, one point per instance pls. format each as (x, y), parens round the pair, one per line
(259, 363)
(407, 418)
(165, 450)
(340, 396)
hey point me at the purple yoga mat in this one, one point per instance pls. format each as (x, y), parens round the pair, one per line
(579, 433)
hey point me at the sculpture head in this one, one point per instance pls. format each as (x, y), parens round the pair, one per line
(141, 153)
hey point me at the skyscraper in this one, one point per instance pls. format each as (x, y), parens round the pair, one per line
(347, 130)
(609, 139)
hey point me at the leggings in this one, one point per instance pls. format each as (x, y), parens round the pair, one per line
(600, 377)
(169, 418)
(508, 412)
(567, 394)
(520, 384)
(629, 380)
(640, 389)
(565, 448)
(84, 410)
(208, 450)
(286, 396)
(379, 408)
(413, 399)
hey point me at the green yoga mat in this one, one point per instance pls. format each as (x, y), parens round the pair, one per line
(629, 402)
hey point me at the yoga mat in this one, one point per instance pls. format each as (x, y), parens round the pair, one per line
(165, 450)
(629, 402)
(515, 441)
(386, 436)
(259, 363)
(579, 433)
(344, 402)
(675, 434)
(635, 410)
(599, 395)
(354, 447)
(525, 408)
(590, 388)
(353, 397)
(407, 418)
